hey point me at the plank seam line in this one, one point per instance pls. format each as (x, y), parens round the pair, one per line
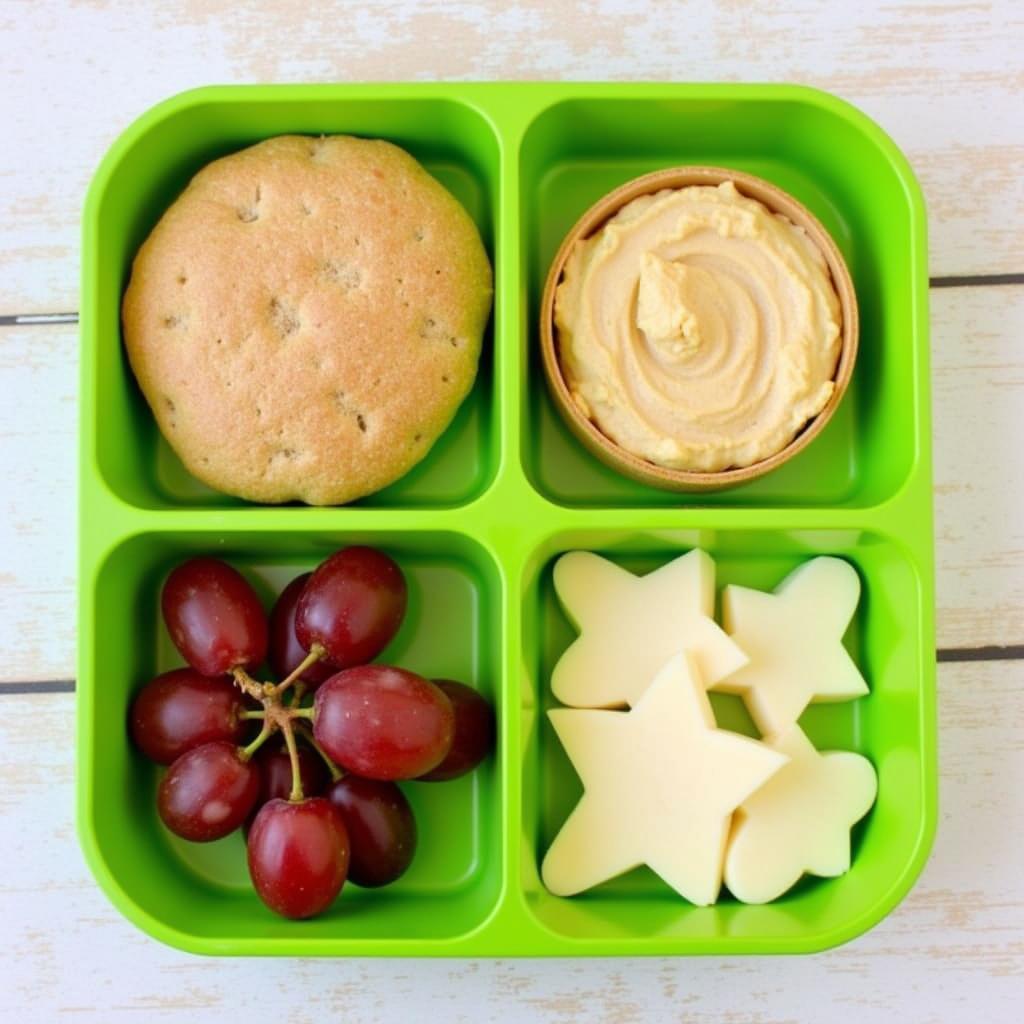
(36, 319)
(38, 686)
(974, 280)
(991, 652)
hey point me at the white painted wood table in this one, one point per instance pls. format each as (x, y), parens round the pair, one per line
(944, 79)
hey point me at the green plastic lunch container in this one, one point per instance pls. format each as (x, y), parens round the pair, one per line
(507, 489)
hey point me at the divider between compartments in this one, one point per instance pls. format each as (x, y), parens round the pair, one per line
(511, 108)
(514, 513)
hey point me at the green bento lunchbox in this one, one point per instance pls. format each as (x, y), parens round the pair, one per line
(478, 525)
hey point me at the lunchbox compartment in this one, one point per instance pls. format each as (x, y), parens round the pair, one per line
(199, 895)
(888, 726)
(148, 168)
(832, 160)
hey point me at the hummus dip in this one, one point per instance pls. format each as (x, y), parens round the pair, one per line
(697, 329)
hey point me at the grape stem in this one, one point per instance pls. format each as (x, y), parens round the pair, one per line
(316, 652)
(268, 728)
(246, 683)
(293, 754)
(278, 715)
(307, 734)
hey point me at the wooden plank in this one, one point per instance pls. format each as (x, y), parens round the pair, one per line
(952, 951)
(978, 411)
(942, 78)
(39, 455)
(978, 383)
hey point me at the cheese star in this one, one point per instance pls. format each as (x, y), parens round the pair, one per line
(660, 783)
(631, 625)
(799, 820)
(794, 641)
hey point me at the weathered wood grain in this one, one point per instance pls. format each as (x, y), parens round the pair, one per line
(943, 78)
(953, 951)
(978, 421)
(39, 459)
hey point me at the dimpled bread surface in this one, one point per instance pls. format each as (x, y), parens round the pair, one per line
(306, 318)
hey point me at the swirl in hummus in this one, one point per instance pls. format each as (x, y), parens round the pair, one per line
(697, 329)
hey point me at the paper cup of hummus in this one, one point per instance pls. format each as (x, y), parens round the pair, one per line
(698, 328)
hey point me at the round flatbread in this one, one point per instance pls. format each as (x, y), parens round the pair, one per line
(306, 318)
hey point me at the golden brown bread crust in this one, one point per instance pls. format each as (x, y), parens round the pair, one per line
(306, 318)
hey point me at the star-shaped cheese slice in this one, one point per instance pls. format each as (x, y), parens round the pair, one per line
(631, 625)
(660, 784)
(799, 821)
(794, 642)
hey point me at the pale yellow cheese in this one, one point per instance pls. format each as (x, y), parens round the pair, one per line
(660, 784)
(799, 821)
(631, 625)
(793, 640)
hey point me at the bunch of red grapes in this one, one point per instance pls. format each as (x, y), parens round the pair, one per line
(323, 806)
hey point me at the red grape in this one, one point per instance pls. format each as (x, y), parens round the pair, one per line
(182, 709)
(382, 722)
(286, 653)
(214, 617)
(352, 605)
(381, 828)
(276, 773)
(208, 792)
(298, 855)
(474, 732)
